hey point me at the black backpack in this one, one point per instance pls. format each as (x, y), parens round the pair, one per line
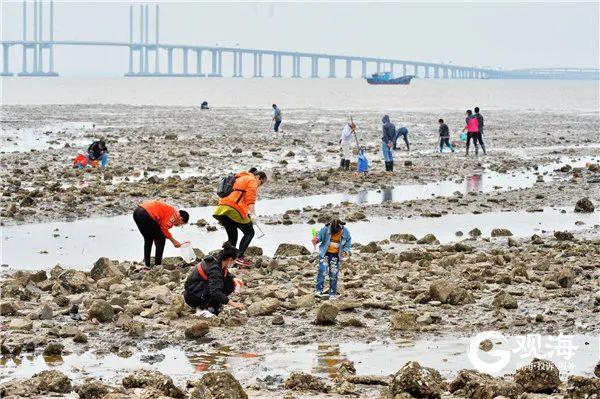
(225, 186)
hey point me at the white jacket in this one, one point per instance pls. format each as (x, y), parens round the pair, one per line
(346, 134)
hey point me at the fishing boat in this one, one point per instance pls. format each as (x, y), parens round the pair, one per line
(386, 78)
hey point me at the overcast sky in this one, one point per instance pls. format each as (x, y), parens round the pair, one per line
(505, 34)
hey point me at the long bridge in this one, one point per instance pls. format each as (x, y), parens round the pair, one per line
(145, 56)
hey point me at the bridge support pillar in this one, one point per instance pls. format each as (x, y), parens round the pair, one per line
(363, 73)
(257, 65)
(185, 61)
(331, 67)
(315, 67)
(403, 69)
(235, 64)
(416, 72)
(170, 60)
(5, 64)
(199, 62)
(296, 66)
(276, 65)
(240, 64)
(426, 71)
(349, 69)
(391, 67)
(436, 72)
(378, 67)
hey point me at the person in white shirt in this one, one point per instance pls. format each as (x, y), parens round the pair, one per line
(345, 138)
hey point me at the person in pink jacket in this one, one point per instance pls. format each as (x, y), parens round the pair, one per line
(472, 128)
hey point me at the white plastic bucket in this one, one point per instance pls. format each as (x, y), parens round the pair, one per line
(187, 252)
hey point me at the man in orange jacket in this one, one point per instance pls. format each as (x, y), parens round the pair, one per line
(237, 210)
(154, 219)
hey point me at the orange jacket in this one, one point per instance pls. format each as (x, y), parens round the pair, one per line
(244, 193)
(163, 213)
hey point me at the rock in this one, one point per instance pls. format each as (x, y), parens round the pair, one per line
(153, 379)
(404, 321)
(21, 324)
(75, 281)
(582, 387)
(80, 338)
(418, 381)
(50, 381)
(501, 232)
(8, 308)
(53, 349)
(254, 251)
(563, 236)
(429, 239)
(218, 385)
(326, 314)
(505, 300)
(474, 385)
(101, 311)
(157, 292)
(584, 205)
(537, 240)
(197, 330)
(264, 307)
(512, 243)
(597, 370)
(306, 301)
(46, 312)
(450, 293)
(285, 250)
(105, 268)
(92, 390)
(565, 277)
(540, 376)
(278, 320)
(370, 248)
(299, 381)
(475, 233)
(486, 345)
(402, 238)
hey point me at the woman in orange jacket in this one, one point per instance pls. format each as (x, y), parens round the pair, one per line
(237, 210)
(154, 219)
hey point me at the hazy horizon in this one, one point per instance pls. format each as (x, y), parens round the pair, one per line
(507, 35)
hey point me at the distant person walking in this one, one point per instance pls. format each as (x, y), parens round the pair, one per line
(472, 128)
(480, 130)
(403, 131)
(345, 139)
(154, 219)
(388, 132)
(236, 210)
(276, 117)
(444, 136)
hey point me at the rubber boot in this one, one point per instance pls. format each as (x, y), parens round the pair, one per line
(483, 148)
(391, 166)
(387, 166)
(342, 163)
(347, 164)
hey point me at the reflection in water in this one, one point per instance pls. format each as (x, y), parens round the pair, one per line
(203, 361)
(474, 183)
(388, 195)
(328, 359)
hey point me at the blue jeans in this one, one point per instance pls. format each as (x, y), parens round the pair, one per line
(387, 152)
(445, 140)
(103, 159)
(276, 127)
(404, 133)
(332, 263)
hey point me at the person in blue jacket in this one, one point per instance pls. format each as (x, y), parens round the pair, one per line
(363, 162)
(334, 248)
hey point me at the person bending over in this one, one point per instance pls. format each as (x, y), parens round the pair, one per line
(154, 219)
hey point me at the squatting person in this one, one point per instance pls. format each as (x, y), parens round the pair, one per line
(209, 284)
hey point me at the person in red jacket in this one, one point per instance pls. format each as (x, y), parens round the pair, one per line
(237, 210)
(154, 219)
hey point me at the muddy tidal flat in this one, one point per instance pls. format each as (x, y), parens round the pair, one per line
(470, 276)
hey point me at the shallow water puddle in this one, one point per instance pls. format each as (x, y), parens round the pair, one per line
(40, 138)
(573, 355)
(78, 244)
